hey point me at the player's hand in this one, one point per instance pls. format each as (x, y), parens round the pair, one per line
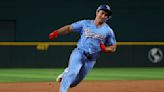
(53, 35)
(103, 47)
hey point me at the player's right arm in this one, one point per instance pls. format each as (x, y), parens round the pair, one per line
(64, 30)
(77, 26)
(61, 31)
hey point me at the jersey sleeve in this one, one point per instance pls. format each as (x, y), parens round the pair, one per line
(77, 26)
(110, 40)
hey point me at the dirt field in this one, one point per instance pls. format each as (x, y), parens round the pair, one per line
(88, 86)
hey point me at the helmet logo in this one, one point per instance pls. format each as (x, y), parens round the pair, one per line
(107, 7)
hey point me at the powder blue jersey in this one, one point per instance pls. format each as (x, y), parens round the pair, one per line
(83, 58)
(92, 35)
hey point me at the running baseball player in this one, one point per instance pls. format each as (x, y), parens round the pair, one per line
(96, 37)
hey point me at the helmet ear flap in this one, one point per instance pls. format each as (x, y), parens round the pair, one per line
(110, 14)
(109, 17)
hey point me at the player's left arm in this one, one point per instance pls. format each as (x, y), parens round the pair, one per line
(111, 48)
(110, 43)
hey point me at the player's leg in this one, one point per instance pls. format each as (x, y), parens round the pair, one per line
(60, 76)
(74, 67)
(83, 72)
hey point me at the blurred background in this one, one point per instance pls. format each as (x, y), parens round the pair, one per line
(26, 24)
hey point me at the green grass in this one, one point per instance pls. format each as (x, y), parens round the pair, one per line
(28, 75)
(41, 75)
(127, 74)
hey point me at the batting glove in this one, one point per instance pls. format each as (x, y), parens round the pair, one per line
(53, 35)
(103, 47)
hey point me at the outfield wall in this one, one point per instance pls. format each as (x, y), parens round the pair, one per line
(51, 55)
(32, 20)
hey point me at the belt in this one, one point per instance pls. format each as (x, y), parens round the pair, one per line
(89, 56)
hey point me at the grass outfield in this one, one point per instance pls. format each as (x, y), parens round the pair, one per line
(41, 75)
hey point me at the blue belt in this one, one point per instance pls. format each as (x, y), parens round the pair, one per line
(88, 55)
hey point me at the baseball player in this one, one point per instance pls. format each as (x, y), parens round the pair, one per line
(96, 37)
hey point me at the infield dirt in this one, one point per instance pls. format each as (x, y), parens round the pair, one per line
(87, 86)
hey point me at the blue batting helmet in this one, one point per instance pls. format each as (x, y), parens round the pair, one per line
(106, 8)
